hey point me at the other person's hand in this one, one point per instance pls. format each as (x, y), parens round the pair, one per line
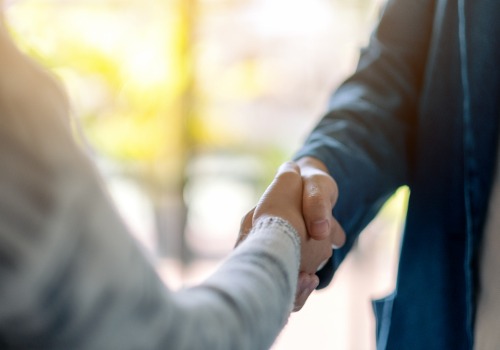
(283, 198)
(319, 197)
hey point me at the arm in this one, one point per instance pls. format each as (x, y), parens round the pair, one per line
(365, 140)
(72, 278)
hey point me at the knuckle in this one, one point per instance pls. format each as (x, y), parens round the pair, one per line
(315, 198)
(289, 176)
(323, 184)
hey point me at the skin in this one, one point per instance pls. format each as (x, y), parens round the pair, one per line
(319, 197)
(304, 194)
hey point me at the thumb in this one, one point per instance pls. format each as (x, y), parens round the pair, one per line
(306, 284)
(320, 193)
(245, 227)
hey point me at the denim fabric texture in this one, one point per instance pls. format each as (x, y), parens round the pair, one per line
(421, 110)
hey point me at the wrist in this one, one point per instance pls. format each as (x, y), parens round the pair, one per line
(280, 219)
(308, 162)
(278, 224)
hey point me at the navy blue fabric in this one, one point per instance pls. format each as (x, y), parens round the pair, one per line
(383, 310)
(421, 110)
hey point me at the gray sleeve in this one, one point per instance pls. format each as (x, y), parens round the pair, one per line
(247, 302)
(72, 278)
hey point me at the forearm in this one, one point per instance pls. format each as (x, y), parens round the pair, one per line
(71, 277)
(365, 140)
(247, 301)
(77, 279)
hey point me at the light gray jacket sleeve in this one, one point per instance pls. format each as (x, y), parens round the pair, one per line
(71, 277)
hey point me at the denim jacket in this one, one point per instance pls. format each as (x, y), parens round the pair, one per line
(421, 110)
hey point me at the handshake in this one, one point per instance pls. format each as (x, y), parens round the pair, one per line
(304, 194)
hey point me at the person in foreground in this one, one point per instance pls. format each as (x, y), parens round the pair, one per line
(421, 110)
(71, 277)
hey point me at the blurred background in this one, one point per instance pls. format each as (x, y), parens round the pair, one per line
(189, 106)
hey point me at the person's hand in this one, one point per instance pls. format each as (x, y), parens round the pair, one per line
(319, 197)
(320, 194)
(283, 198)
(306, 284)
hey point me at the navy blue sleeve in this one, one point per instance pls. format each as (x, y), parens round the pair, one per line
(366, 137)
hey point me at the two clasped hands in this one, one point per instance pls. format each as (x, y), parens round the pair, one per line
(304, 194)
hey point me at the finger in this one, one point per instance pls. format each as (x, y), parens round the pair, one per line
(245, 227)
(314, 253)
(323, 263)
(319, 196)
(288, 167)
(307, 283)
(338, 236)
